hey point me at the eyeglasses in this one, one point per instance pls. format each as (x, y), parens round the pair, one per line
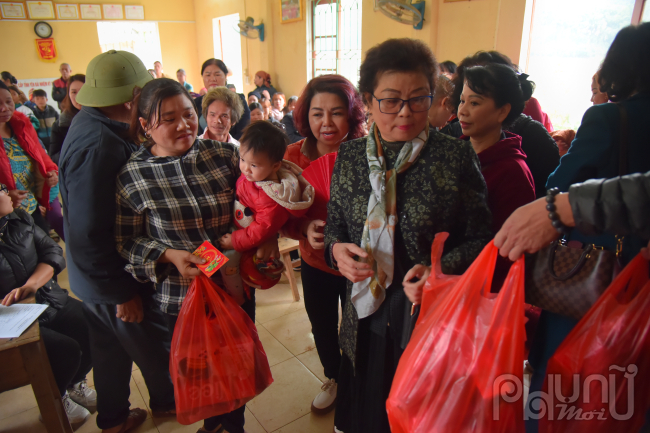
(395, 105)
(3, 188)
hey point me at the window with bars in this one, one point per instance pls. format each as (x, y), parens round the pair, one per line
(335, 38)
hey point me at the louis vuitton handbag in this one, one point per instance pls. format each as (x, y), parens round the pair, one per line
(567, 280)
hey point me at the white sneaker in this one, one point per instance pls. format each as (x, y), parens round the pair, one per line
(81, 394)
(325, 400)
(77, 414)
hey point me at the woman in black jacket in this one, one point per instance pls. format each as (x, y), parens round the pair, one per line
(620, 205)
(29, 259)
(70, 107)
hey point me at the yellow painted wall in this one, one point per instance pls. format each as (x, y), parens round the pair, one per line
(178, 47)
(77, 42)
(289, 52)
(377, 27)
(454, 30)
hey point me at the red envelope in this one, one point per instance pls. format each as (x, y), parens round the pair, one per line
(213, 258)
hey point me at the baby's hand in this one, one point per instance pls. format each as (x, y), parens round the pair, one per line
(225, 242)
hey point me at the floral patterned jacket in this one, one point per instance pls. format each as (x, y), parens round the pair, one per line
(443, 191)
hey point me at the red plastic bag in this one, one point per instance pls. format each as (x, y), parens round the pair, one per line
(462, 370)
(217, 362)
(601, 370)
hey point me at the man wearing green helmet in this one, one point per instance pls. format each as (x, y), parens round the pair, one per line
(123, 321)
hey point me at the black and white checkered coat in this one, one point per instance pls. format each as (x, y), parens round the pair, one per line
(173, 202)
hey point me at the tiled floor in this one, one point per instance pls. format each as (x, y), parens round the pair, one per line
(284, 407)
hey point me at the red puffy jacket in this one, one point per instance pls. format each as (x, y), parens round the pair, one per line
(28, 140)
(260, 217)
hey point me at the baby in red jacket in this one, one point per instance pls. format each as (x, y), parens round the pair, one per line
(269, 191)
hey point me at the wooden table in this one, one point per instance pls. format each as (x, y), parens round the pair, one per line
(24, 361)
(287, 245)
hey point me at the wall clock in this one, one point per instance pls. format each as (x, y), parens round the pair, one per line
(43, 29)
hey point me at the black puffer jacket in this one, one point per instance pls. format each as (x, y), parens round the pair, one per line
(543, 155)
(619, 205)
(57, 135)
(290, 128)
(22, 247)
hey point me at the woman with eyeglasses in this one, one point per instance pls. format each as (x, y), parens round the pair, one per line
(391, 192)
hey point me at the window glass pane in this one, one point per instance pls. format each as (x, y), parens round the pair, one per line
(336, 38)
(324, 43)
(350, 40)
(645, 17)
(139, 38)
(569, 41)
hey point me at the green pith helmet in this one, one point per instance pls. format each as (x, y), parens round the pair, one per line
(110, 79)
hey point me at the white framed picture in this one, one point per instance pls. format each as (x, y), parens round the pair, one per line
(113, 12)
(12, 11)
(40, 10)
(67, 11)
(90, 12)
(134, 12)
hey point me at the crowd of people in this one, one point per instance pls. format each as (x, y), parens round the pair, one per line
(147, 170)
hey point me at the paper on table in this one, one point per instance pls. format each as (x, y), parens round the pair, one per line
(18, 317)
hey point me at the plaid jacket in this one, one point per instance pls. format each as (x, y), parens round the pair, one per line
(173, 202)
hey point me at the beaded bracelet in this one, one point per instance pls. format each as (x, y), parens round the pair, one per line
(552, 215)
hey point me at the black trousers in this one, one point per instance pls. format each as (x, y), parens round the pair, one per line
(67, 344)
(40, 221)
(233, 421)
(322, 292)
(115, 345)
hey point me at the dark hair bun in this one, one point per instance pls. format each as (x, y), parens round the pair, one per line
(527, 86)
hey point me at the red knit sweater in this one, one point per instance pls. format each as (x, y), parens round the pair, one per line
(509, 182)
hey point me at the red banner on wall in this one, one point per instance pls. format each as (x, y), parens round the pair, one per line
(46, 49)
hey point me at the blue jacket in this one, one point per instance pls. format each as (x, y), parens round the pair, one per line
(94, 151)
(594, 154)
(46, 119)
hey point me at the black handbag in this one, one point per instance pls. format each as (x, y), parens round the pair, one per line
(567, 280)
(52, 295)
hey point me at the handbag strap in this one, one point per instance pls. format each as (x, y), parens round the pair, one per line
(623, 137)
(576, 268)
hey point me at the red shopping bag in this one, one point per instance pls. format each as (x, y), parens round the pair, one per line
(597, 379)
(462, 369)
(217, 362)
